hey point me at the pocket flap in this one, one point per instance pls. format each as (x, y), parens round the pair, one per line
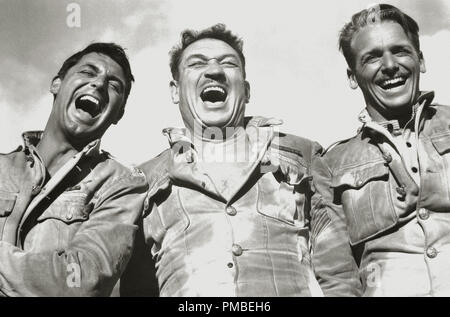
(68, 208)
(7, 202)
(356, 177)
(441, 143)
(292, 167)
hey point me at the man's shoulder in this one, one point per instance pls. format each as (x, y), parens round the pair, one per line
(341, 146)
(347, 152)
(155, 169)
(114, 170)
(14, 157)
(440, 109)
(296, 145)
(157, 163)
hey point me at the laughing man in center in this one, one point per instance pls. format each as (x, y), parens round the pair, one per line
(227, 209)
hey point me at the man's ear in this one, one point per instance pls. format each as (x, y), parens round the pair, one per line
(423, 69)
(174, 91)
(352, 79)
(56, 84)
(247, 91)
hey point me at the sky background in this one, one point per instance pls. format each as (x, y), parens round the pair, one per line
(294, 67)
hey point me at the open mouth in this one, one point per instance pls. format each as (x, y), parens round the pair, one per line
(213, 94)
(392, 83)
(88, 104)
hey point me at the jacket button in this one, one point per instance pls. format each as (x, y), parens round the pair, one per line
(35, 190)
(424, 214)
(431, 252)
(236, 249)
(230, 265)
(230, 210)
(31, 160)
(401, 191)
(190, 157)
(387, 157)
(69, 216)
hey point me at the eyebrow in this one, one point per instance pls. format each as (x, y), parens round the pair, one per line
(204, 57)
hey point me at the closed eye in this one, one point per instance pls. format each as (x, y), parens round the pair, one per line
(87, 72)
(196, 64)
(230, 63)
(116, 86)
(400, 51)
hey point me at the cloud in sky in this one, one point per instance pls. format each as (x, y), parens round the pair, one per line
(36, 38)
(293, 64)
(432, 16)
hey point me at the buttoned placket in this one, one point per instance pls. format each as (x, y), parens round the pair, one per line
(53, 183)
(189, 158)
(409, 144)
(33, 183)
(423, 214)
(388, 150)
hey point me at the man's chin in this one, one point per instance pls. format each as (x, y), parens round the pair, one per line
(398, 104)
(396, 99)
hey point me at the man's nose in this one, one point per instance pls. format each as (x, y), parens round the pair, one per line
(99, 82)
(215, 71)
(390, 65)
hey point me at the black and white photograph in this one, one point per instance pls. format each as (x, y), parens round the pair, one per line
(252, 149)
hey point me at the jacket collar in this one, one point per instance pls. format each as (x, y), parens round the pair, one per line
(380, 128)
(32, 138)
(183, 167)
(177, 135)
(393, 126)
(425, 98)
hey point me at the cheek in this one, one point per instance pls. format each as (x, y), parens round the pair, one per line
(370, 71)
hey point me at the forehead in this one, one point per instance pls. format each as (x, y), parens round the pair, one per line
(102, 62)
(210, 48)
(379, 35)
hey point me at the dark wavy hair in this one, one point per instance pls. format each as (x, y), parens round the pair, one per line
(374, 14)
(217, 31)
(112, 50)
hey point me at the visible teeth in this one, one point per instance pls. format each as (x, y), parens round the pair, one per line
(90, 98)
(214, 88)
(392, 81)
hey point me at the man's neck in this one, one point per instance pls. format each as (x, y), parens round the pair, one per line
(54, 150)
(233, 148)
(403, 117)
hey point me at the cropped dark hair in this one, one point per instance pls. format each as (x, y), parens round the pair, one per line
(217, 31)
(112, 50)
(374, 14)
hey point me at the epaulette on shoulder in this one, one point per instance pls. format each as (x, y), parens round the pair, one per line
(18, 149)
(333, 145)
(156, 168)
(292, 144)
(159, 160)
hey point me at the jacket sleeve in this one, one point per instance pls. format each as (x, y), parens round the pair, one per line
(332, 258)
(95, 257)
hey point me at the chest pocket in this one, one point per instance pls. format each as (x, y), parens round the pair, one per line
(364, 193)
(69, 207)
(283, 199)
(441, 143)
(7, 203)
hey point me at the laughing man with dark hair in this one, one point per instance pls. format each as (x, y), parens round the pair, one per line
(68, 211)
